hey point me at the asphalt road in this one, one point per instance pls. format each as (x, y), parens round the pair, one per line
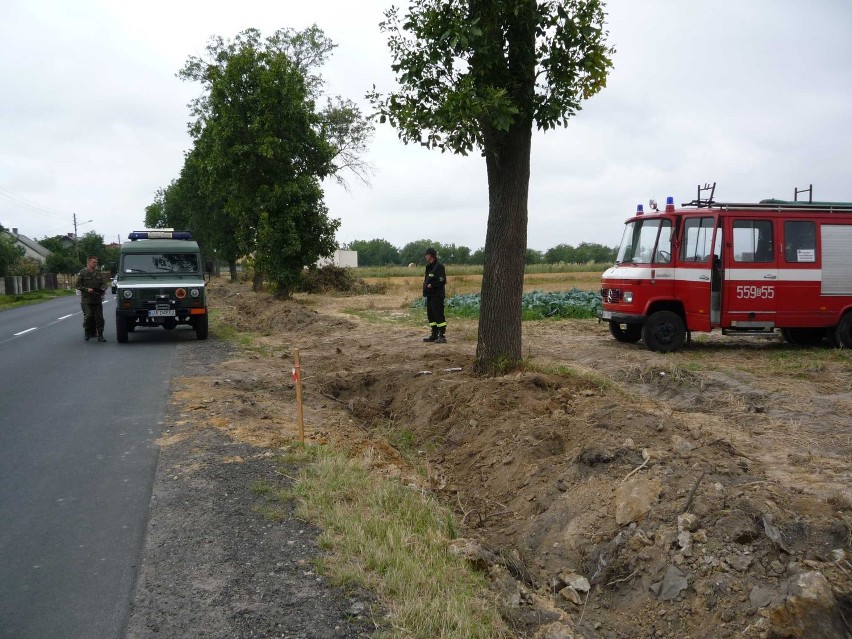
(78, 422)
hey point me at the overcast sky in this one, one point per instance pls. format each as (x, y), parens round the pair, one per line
(755, 95)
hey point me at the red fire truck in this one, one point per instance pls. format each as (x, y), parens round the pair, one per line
(742, 268)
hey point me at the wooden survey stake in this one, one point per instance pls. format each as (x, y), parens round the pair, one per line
(297, 378)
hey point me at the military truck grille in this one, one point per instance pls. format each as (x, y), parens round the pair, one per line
(161, 303)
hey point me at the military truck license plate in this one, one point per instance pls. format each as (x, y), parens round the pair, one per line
(169, 313)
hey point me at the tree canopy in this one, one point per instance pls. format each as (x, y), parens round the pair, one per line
(377, 252)
(478, 74)
(252, 183)
(380, 252)
(10, 253)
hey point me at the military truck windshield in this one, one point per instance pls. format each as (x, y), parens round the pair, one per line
(157, 263)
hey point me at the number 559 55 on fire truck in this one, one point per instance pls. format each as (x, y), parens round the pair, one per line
(740, 267)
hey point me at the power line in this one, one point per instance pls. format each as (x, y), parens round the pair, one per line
(15, 198)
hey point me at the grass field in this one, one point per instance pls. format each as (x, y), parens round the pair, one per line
(462, 280)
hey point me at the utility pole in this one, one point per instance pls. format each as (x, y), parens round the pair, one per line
(76, 248)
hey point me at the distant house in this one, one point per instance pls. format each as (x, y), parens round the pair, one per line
(68, 241)
(340, 258)
(31, 248)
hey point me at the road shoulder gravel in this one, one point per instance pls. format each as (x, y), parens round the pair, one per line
(215, 563)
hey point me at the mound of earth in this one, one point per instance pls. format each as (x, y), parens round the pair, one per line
(609, 491)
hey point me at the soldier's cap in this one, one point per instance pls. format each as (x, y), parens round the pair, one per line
(431, 251)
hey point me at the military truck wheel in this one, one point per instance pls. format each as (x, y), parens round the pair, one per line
(664, 332)
(121, 329)
(627, 333)
(201, 327)
(843, 332)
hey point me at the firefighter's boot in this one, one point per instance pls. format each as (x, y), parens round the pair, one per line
(433, 337)
(441, 339)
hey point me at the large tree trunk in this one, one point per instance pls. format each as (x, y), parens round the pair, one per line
(507, 157)
(232, 267)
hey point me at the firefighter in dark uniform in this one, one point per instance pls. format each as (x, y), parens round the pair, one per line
(92, 285)
(434, 284)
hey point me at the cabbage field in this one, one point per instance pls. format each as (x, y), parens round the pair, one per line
(575, 304)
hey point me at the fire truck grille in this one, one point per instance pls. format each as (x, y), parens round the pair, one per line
(611, 295)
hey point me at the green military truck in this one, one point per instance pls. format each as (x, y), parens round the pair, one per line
(159, 281)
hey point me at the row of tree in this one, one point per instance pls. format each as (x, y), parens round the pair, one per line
(251, 186)
(471, 74)
(380, 252)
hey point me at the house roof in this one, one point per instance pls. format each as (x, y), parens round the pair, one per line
(29, 243)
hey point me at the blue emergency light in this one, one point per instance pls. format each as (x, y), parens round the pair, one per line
(159, 234)
(640, 209)
(669, 203)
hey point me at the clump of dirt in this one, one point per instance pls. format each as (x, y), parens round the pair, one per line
(615, 491)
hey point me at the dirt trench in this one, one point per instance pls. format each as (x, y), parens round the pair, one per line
(613, 492)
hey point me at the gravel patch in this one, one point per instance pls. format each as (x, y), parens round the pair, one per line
(221, 560)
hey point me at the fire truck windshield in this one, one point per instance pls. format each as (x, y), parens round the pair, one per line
(640, 241)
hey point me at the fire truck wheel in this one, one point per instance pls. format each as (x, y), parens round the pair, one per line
(843, 332)
(627, 333)
(803, 336)
(664, 332)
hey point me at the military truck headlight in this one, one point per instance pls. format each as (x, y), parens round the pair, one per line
(194, 292)
(127, 293)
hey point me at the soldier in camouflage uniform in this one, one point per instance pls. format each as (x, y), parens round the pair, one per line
(92, 285)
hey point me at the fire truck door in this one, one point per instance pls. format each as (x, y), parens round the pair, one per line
(694, 273)
(750, 291)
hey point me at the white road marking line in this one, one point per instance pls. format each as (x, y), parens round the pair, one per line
(65, 317)
(34, 328)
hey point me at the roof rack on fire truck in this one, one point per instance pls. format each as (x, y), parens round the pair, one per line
(703, 202)
(770, 204)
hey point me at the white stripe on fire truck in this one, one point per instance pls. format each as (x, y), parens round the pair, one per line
(703, 274)
(781, 274)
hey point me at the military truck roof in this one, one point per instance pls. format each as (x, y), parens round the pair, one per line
(159, 241)
(160, 246)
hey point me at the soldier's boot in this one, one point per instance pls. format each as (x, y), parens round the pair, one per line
(101, 337)
(86, 334)
(433, 337)
(441, 339)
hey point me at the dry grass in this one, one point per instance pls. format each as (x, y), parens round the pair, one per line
(394, 540)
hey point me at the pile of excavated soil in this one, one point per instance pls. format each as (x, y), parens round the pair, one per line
(609, 491)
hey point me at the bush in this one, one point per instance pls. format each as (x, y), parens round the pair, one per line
(335, 279)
